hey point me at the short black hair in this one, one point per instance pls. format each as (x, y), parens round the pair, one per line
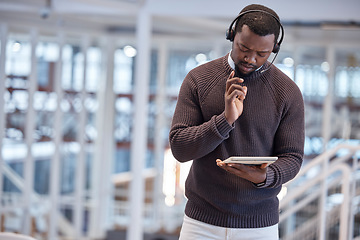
(259, 22)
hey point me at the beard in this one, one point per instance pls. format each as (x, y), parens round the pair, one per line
(239, 74)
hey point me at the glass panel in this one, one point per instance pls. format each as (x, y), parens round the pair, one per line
(122, 160)
(91, 105)
(347, 96)
(174, 174)
(17, 67)
(73, 68)
(180, 63)
(93, 69)
(68, 167)
(311, 77)
(45, 100)
(153, 72)
(123, 72)
(123, 120)
(47, 55)
(123, 132)
(71, 105)
(124, 64)
(17, 70)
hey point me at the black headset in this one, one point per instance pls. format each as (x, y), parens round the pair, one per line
(230, 33)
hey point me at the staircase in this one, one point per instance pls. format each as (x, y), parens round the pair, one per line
(13, 208)
(323, 201)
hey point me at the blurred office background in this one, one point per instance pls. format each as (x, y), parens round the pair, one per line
(88, 90)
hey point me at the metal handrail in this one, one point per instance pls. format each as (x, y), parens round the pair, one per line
(64, 225)
(337, 164)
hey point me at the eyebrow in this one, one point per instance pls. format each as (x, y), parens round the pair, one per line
(254, 50)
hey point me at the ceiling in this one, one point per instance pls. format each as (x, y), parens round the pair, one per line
(211, 14)
(320, 21)
(304, 11)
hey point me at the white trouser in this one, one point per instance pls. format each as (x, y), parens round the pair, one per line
(193, 229)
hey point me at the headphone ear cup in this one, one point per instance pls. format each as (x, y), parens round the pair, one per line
(230, 35)
(276, 48)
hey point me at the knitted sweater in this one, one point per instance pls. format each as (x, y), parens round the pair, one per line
(272, 124)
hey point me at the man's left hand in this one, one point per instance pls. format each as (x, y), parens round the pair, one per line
(252, 173)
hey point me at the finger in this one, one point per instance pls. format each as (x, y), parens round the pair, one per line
(228, 83)
(227, 168)
(220, 163)
(235, 85)
(244, 88)
(232, 74)
(264, 165)
(238, 166)
(233, 80)
(238, 93)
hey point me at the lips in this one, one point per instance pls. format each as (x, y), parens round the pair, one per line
(246, 67)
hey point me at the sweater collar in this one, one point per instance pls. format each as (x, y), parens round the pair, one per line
(255, 74)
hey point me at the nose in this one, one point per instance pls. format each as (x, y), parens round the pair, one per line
(250, 58)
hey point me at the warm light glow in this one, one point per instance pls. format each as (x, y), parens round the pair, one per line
(169, 178)
(174, 178)
(170, 201)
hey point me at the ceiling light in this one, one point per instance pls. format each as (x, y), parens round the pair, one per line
(325, 66)
(130, 51)
(16, 46)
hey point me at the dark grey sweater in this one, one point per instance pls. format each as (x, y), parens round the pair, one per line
(272, 124)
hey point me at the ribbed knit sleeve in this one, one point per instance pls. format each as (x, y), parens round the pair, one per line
(290, 134)
(192, 135)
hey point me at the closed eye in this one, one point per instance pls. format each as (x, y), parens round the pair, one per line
(243, 48)
(262, 54)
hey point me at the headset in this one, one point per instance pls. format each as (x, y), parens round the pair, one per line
(230, 33)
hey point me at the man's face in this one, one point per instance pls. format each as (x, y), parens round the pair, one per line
(250, 51)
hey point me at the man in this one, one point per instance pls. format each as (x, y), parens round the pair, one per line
(238, 105)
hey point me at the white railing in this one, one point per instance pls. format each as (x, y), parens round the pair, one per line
(331, 175)
(15, 202)
(319, 183)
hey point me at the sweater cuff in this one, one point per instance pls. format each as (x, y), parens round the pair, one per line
(270, 175)
(259, 185)
(223, 126)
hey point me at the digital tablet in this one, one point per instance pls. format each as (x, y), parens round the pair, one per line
(251, 160)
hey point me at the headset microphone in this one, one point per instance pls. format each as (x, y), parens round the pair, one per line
(269, 64)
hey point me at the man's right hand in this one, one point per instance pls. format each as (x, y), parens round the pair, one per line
(234, 98)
